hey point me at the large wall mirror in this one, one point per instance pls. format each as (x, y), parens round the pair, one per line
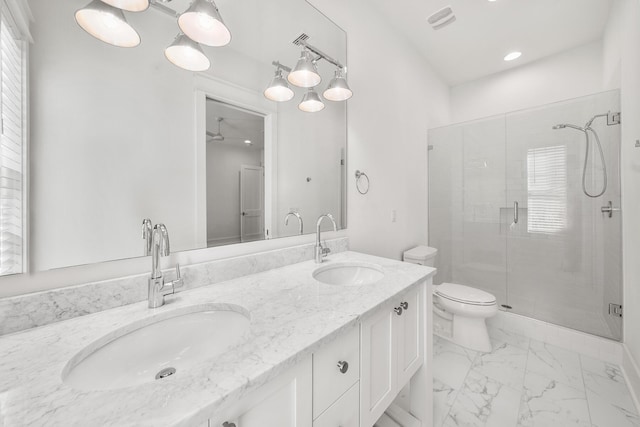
(117, 135)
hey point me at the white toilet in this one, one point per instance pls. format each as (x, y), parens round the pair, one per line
(459, 311)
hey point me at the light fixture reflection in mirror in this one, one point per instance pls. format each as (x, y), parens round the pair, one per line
(305, 74)
(338, 89)
(108, 24)
(129, 5)
(311, 102)
(202, 23)
(187, 54)
(279, 90)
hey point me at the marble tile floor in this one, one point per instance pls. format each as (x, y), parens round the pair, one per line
(527, 383)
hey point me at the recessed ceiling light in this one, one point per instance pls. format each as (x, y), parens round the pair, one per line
(247, 141)
(512, 56)
(492, 0)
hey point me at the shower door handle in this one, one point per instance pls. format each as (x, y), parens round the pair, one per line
(609, 209)
(515, 212)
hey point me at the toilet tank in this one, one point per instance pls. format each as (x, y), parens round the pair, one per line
(423, 255)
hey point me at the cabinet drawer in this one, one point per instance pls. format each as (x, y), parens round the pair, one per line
(329, 382)
(343, 413)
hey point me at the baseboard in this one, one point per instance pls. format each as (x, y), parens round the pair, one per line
(631, 374)
(581, 342)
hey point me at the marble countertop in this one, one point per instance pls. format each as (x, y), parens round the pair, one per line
(292, 315)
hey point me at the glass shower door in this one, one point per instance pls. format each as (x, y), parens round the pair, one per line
(467, 204)
(563, 253)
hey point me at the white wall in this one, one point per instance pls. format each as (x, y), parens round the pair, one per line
(223, 189)
(397, 97)
(567, 75)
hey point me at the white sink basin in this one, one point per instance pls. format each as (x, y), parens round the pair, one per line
(158, 348)
(349, 274)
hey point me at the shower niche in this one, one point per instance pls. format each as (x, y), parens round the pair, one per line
(512, 210)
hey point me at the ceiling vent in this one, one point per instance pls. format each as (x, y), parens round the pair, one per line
(441, 18)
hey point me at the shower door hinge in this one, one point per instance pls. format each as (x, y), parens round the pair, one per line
(613, 118)
(615, 310)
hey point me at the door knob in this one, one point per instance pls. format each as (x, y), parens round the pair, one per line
(404, 305)
(343, 367)
(398, 311)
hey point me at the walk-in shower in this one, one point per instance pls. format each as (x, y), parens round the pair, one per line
(612, 119)
(508, 214)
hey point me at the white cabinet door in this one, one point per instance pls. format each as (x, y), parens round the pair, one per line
(410, 335)
(378, 373)
(283, 402)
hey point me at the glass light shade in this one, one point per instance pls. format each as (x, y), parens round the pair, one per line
(129, 5)
(279, 89)
(338, 89)
(108, 24)
(187, 54)
(311, 102)
(306, 73)
(202, 23)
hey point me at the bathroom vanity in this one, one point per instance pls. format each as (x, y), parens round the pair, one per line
(312, 354)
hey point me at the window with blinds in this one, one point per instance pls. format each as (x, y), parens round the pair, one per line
(12, 160)
(547, 189)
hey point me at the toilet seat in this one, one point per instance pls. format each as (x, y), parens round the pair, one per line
(465, 294)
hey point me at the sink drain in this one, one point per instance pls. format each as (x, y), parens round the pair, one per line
(166, 372)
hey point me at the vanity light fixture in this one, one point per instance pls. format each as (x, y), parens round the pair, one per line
(202, 23)
(305, 74)
(108, 24)
(513, 55)
(311, 102)
(338, 89)
(129, 5)
(279, 90)
(187, 54)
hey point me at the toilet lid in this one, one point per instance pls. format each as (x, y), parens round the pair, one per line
(465, 294)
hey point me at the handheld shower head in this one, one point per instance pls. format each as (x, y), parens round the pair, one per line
(567, 125)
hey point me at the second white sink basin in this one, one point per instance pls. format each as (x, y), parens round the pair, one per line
(169, 345)
(349, 274)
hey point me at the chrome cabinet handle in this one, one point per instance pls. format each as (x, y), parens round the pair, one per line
(404, 305)
(343, 366)
(398, 311)
(515, 212)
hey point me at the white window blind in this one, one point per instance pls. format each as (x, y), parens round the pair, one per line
(11, 148)
(547, 189)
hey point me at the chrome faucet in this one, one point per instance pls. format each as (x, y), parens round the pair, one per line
(300, 224)
(157, 287)
(147, 235)
(320, 251)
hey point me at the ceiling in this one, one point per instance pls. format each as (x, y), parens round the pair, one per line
(237, 125)
(485, 31)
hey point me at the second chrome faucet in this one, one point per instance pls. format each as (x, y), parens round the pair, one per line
(321, 252)
(159, 246)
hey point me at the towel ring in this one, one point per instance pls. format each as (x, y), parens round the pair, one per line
(358, 176)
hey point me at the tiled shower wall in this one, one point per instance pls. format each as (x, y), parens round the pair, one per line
(560, 261)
